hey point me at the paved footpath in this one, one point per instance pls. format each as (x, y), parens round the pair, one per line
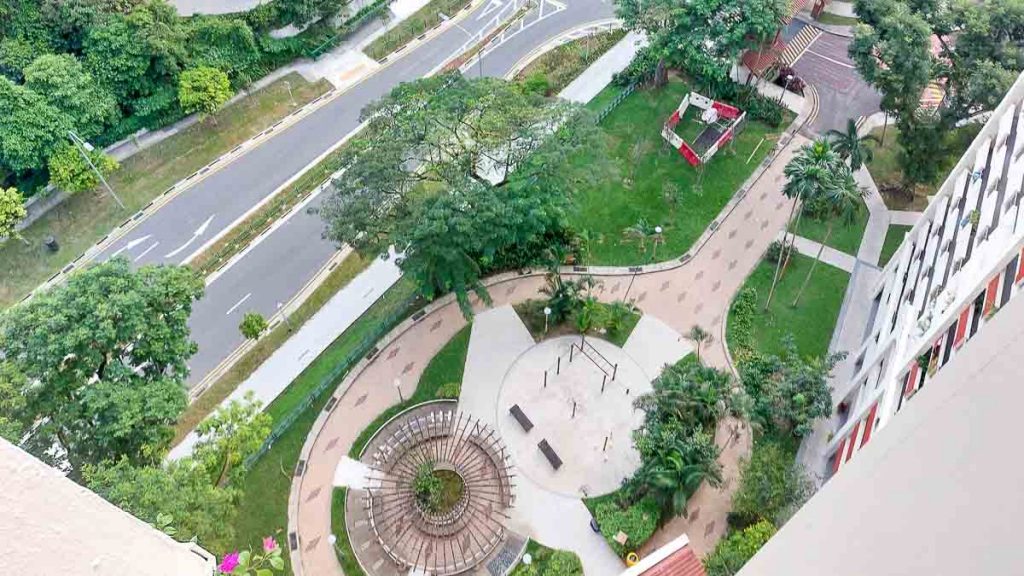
(680, 295)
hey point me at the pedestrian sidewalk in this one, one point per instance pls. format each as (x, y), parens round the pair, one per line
(904, 218)
(299, 351)
(829, 255)
(600, 73)
(878, 223)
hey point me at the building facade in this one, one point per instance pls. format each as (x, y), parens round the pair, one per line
(959, 265)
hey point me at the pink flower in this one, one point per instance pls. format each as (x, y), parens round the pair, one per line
(269, 544)
(229, 563)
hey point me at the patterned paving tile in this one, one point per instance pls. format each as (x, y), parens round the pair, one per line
(748, 244)
(716, 285)
(361, 399)
(709, 528)
(330, 445)
(314, 493)
(642, 296)
(394, 352)
(681, 297)
(732, 264)
(732, 234)
(408, 367)
(312, 544)
(665, 285)
(436, 325)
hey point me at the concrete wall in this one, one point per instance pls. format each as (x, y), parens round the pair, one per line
(50, 525)
(938, 493)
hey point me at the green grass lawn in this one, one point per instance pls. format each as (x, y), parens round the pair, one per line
(650, 180)
(846, 236)
(837, 20)
(444, 368)
(563, 64)
(83, 219)
(811, 322)
(888, 175)
(343, 547)
(893, 239)
(263, 508)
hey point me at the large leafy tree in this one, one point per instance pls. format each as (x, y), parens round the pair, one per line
(65, 84)
(12, 212)
(104, 357)
(229, 436)
(677, 470)
(70, 172)
(31, 128)
(181, 490)
(706, 36)
(463, 176)
(203, 89)
(12, 403)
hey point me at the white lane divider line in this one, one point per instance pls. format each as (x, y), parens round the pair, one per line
(146, 251)
(235, 307)
(491, 7)
(132, 244)
(199, 232)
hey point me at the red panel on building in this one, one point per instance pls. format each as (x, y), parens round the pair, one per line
(961, 327)
(1020, 266)
(869, 424)
(682, 562)
(853, 441)
(839, 457)
(912, 380)
(990, 294)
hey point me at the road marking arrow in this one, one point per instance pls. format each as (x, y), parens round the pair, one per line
(199, 232)
(132, 244)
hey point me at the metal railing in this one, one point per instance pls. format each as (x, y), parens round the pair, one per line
(616, 101)
(366, 348)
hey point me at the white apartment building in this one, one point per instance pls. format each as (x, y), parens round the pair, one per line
(955, 269)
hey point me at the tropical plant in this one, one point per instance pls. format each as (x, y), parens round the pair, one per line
(590, 315)
(851, 146)
(563, 563)
(772, 485)
(427, 487)
(229, 436)
(565, 296)
(809, 175)
(203, 89)
(675, 473)
(640, 233)
(699, 336)
(618, 313)
(692, 394)
(637, 521)
(70, 172)
(248, 563)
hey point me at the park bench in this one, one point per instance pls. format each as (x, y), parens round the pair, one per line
(549, 453)
(520, 417)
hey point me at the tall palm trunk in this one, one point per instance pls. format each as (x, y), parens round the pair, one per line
(817, 257)
(792, 244)
(782, 254)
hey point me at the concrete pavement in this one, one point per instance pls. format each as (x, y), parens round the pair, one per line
(291, 256)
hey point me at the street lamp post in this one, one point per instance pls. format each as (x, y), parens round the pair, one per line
(789, 78)
(84, 148)
(547, 313)
(291, 97)
(657, 238)
(398, 385)
(287, 320)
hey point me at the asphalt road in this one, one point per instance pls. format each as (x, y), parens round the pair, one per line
(285, 260)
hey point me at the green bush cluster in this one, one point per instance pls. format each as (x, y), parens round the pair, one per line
(548, 562)
(772, 486)
(732, 553)
(638, 521)
(449, 391)
(741, 324)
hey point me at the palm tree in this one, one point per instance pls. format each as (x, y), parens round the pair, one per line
(698, 336)
(808, 176)
(841, 202)
(851, 146)
(640, 232)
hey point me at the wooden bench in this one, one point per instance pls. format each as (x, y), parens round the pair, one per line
(520, 417)
(549, 453)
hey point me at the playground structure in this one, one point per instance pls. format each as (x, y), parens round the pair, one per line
(706, 125)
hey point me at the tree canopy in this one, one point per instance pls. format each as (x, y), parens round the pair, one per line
(463, 176)
(203, 89)
(707, 35)
(104, 360)
(12, 211)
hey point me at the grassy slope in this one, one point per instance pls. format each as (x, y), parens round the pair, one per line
(85, 218)
(845, 236)
(413, 26)
(811, 323)
(563, 64)
(647, 169)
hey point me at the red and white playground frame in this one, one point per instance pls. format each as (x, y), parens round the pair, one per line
(720, 121)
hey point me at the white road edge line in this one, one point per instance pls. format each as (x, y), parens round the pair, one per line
(235, 307)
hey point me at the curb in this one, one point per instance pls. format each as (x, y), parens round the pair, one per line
(607, 24)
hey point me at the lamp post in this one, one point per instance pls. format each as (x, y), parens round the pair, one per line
(398, 385)
(291, 97)
(287, 320)
(657, 238)
(84, 148)
(547, 313)
(789, 78)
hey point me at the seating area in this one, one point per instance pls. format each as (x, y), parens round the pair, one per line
(550, 454)
(521, 417)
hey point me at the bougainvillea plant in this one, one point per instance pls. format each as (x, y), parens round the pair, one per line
(249, 563)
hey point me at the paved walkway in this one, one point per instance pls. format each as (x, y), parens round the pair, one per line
(600, 73)
(903, 218)
(284, 365)
(680, 295)
(829, 255)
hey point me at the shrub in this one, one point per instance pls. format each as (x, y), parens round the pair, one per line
(772, 486)
(537, 83)
(741, 323)
(563, 563)
(638, 522)
(775, 251)
(449, 391)
(71, 173)
(732, 553)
